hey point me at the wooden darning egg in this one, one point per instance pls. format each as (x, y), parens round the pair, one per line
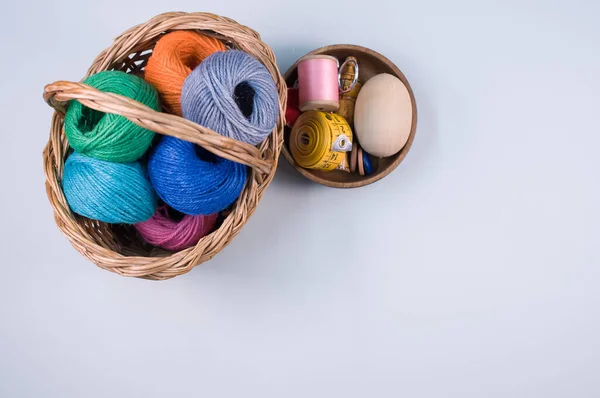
(383, 115)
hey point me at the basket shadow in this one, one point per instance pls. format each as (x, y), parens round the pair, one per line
(288, 176)
(261, 252)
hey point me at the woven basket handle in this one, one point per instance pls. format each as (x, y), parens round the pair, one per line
(59, 93)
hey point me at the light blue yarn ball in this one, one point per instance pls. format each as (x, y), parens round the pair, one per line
(107, 191)
(208, 96)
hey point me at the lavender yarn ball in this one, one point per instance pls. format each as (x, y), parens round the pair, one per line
(233, 94)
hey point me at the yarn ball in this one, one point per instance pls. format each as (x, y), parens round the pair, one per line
(108, 191)
(164, 230)
(233, 94)
(192, 180)
(108, 136)
(174, 57)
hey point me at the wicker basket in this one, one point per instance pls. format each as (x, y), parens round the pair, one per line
(118, 248)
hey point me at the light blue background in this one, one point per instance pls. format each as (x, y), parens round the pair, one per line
(473, 270)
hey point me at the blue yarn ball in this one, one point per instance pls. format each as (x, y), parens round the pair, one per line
(191, 179)
(214, 93)
(108, 191)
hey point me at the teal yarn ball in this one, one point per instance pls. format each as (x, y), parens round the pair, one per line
(109, 136)
(108, 191)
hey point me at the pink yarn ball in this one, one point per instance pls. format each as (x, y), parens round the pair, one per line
(162, 231)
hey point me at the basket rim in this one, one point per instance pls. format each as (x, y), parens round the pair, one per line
(94, 239)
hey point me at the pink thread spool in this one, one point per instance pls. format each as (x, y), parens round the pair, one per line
(318, 83)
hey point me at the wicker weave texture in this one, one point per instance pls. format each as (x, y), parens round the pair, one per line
(119, 248)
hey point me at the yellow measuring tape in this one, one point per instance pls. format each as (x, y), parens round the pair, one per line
(320, 140)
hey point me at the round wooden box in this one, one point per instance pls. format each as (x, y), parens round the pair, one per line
(371, 63)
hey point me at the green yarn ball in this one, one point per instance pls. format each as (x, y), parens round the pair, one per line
(107, 136)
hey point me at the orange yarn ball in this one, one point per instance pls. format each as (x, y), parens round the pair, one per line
(174, 57)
